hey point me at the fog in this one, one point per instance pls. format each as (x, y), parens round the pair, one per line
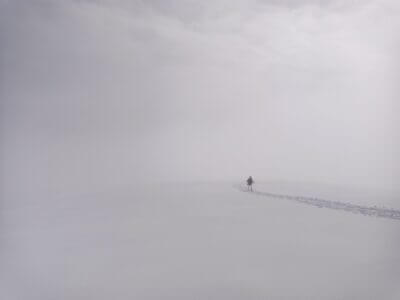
(96, 94)
(108, 106)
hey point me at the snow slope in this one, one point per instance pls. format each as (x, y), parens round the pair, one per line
(374, 211)
(195, 241)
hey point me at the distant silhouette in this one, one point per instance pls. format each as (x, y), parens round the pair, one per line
(250, 182)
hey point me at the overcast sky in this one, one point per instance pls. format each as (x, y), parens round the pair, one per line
(100, 93)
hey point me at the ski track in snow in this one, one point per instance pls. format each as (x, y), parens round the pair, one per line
(374, 211)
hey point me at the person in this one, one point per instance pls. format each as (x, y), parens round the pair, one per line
(250, 182)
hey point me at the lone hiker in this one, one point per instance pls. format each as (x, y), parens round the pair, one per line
(250, 182)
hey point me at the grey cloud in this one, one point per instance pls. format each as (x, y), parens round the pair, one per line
(204, 91)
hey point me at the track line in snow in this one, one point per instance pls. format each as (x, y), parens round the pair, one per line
(381, 212)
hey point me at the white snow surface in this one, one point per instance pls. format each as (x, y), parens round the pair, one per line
(198, 241)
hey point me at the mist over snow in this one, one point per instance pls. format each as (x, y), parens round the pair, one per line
(128, 129)
(99, 93)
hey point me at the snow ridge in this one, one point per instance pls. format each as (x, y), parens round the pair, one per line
(374, 211)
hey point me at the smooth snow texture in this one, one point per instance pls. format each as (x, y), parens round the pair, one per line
(194, 241)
